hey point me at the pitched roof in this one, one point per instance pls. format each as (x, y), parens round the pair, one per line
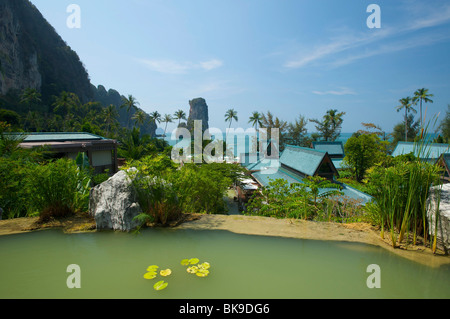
(332, 148)
(429, 151)
(304, 160)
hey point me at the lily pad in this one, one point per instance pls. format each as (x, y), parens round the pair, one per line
(165, 273)
(194, 261)
(185, 262)
(160, 285)
(152, 268)
(150, 275)
(202, 273)
(192, 269)
(204, 265)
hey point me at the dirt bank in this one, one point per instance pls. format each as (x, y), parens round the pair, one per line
(252, 225)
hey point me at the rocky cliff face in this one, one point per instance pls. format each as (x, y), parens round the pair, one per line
(33, 55)
(18, 69)
(198, 111)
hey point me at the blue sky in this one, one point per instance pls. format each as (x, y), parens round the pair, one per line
(290, 57)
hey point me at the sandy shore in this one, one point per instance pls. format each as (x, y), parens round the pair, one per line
(254, 225)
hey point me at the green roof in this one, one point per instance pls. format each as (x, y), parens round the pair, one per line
(302, 159)
(429, 151)
(332, 148)
(58, 137)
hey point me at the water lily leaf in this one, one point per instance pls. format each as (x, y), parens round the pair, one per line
(165, 273)
(202, 273)
(194, 261)
(204, 265)
(185, 262)
(160, 285)
(150, 275)
(152, 268)
(192, 269)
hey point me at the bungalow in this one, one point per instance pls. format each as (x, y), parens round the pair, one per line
(102, 152)
(334, 149)
(297, 163)
(429, 152)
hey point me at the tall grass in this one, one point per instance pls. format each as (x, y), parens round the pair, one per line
(58, 189)
(401, 192)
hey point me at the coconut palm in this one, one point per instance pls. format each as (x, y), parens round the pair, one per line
(422, 95)
(139, 117)
(406, 103)
(167, 119)
(256, 120)
(179, 115)
(30, 97)
(110, 115)
(129, 103)
(155, 117)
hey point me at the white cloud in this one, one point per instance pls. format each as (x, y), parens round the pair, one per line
(341, 91)
(380, 41)
(174, 67)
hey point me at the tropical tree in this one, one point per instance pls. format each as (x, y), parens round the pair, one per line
(363, 151)
(110, 115)
(406, 103)
(422, 95)
(179, 115)
(330, 126)
(139, 117)
(129, 103)
(255, 120)
(269, 122)
(65, 102)
(297, 132)
(30, 97)
(231, 115)
(445, 125)
(166, 119)
(155, 117)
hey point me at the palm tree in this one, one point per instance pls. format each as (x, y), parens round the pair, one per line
(155, 117)
(30, 97)
(167, 119)
(110, 115)
(406, 103)
(422, 95)
(256, 120)
(129, 103)
(230, 115)
(139, 117)
(179, 115)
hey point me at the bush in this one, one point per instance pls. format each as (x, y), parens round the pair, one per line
(58, 189)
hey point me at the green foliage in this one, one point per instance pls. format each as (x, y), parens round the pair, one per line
(298, 200)
(400, 198)
(58, 189)
(330, 126)
(201, 188)
(362, 152)
(157, 197)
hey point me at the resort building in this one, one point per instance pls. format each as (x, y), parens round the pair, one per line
(429, 152)
(297, 163)
(102, 152)
(334, 149)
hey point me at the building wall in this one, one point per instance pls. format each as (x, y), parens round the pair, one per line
(101, 158)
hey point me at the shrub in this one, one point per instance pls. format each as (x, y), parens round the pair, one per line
(58, 189)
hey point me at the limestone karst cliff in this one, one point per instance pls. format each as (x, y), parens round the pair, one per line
(33, 55)
(198, 111)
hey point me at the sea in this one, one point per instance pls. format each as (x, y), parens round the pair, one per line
(242, 141)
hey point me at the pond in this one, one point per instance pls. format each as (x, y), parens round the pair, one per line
(112, 265)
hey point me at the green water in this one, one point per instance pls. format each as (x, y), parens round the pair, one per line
(34, 265)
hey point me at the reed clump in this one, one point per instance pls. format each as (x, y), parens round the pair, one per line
(401, 192)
